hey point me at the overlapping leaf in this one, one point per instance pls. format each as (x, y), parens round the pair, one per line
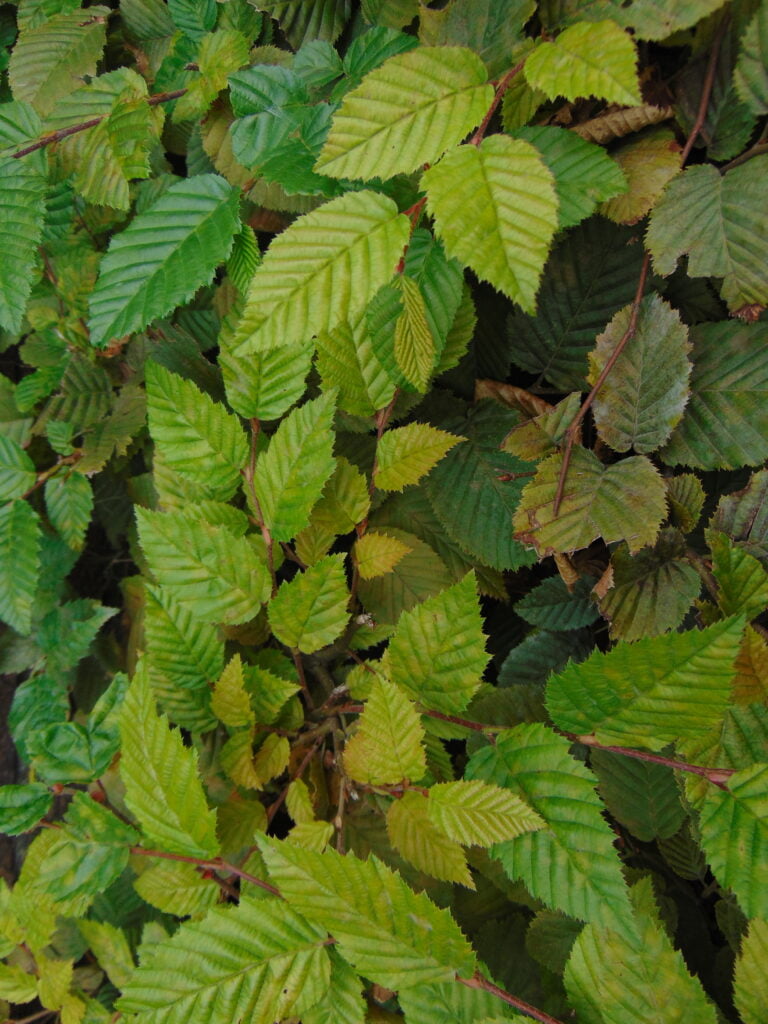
(346, 360)
(387, 746)
(377, 554)
(22, 199)
(20, 537)
(310, 610)
(404, 455)
(478, 814)
(264, 385)
(750, 990)
(419, 841)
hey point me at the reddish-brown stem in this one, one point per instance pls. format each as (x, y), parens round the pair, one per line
(46, 474)
(465, 723)
(717, 776)
(216, 863)
(504, 83)
(276, 804)
(478, 981)
(706, 91)
(296, 655)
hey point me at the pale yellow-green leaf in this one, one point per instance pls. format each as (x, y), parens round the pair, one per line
(310, 611)
(54, 979)
(387, 746)
(176, 888)
(649, 162)
(414, 344)
(219, 54)
(237, 821)
(236, 759)
(345, 500)
(478, 813)
(271, 759)
(750, 983)
(586, 59)
(376, 554)
(404, 455)
(110, 947)
(298, 802)
(269, 686)
(16, 985)
(314, 542)
(423, 844)
(230, 702)
(345, 360)
(312, 835)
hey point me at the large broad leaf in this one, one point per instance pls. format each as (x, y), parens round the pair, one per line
(495, 209)
(406, 113)
(387, 746)
(163, 256)
(492, 28)
(725, 424)
(625, 501)
(437, 654)
(635, 976)
(751, 74)
(20, 537)
(22, 204)
(392, 935)
(652, 692)
(571, 864)
(715, 220)
(587, 60)
(646, 391)
(162, 788)
(652, 19)
(641, 795)
(196, 436)
(749, 984)
(291, 474)
(322, 270)
(310, 611)
(256, 961)
(304, 20)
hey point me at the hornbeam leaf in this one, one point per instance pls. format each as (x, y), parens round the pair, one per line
(252, 962)
(641, 795)
(725, 424)
(404, 455)
(625, 501)
(418, 575)
(387, 746)
(304, 20)
(389, 933)
(322, 270)
(20, 539)
(406, 113)
(648, 163)
(571, 864)
(595, 59)
(750, 989)
(310, 611)
(714, 219)
(651, 19)
(751, 74)
(744, 516)
(17, 471)
(638, 974)
(495, 209)
(449, 1003)
(476, 813)
(346, 360)
(652, 692)
(343, 1003)
(162, 788)
(196, 436)
(22, 205)
(643, 398)
(69, 503)
(23, 806)
(210, 571)
(742, 581)
(492, 28)
(415, 347)
(264, 385)
(291, 474)
(376, 554)
(437, 654)
(229, 701)
(551, 605)
(419, 841)
(183, 649)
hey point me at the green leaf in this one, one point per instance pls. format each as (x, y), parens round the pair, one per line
(595, 59)
(162, 788)
(20, 537)
(229, 701)
(686, 500)
(196, 436)
(749, 984)
(584, 174)
(67, 631)
(193, 17)
(624, 501)
(110, 947)
(571, 864)
(495, 209)
(744, 516)
(376, 554)
(713, 219)
(16, 984)
(304, 283)
(387, 746)
(304, 20)
(652, 692)
(418, 575)
(551, 605)
(419, 841)
(22, 807)
(437, 654)
(69, 504)
(478, 814)
(264, 385)
(380, 131)
(414, 345)
(343, 1003)
(641, 795)
(22, 204)
(643, 398)
(725, 423)
(492, 28)
(531, 661)
(652, 19)
(390, 934)
(290, 476)
(648, 163)
(404, 455)
(182, 649)
(256, 960)
(634, 975)
(742, 581)
(50, 60)
(191, 225)
(17, 471)
(346, 360)
(310, 611)
(211, 572)
(751, 73)
(449, 1002)
(176, 888)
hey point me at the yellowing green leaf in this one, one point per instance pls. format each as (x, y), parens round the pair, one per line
(271, 759)
(264, 385)
(423, 844)
(236, 759)
(230, 702)
(54, 980)
(741, 579)
(648, 163)
(387, 746)
(495, 209)
(311, 835)
(404, 455)
(477, 813)
(414, 344)
(587, 60)
(16, 985)
(749, 984)
(110, 947)
(346, 360)
(376, 554)
(310, 611)
(345, 500)
(176, 888)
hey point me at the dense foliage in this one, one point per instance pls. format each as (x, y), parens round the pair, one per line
(368, 665)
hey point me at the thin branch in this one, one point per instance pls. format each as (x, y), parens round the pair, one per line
(478, 981)
(758, 149)
(717, 776)
(216, 863)
(296, 655)
(706, 90)
(46, 474)
(504, 83)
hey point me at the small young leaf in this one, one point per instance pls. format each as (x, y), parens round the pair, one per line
(230, 702)
(405, 454)
(69, 503)
(376, 554)
(417, 839)
(310, 611)
(479, 814)
(387, 747)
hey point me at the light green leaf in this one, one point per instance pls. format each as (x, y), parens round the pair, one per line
(219, 54)
(196, 436)
(271, 759)
(652, 19)
(162, 788)
(69, 503)
(305, 282)
(387, 746)
(476, 813)
(404, 455)
(183, 649)
(110, 947)
(343, 1003)
(437, 654)
(22, 807)
(713, 219)
(571, 865)
(414, 345)
(495, 209)
(310, 611)
(255, 960)
(264, 385)
(624, 501)
(270, 683)
(652, 692)
(749, 984)
(230, 702)
(643, 398)
(641, 795)
(346, 360)
(390, 934)
(22, 204)
(725, 424)
(17, 471)
(406, 113)
(417, 576)
(741, 579)
(176, 888)
(376, 554)
(451, 1003)
(419, 841)
(291, 475)
(16, 985)
(492, 28)
(595, 59)
(213, 573)
(751, 74)
(191, 226)
(20, 537)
